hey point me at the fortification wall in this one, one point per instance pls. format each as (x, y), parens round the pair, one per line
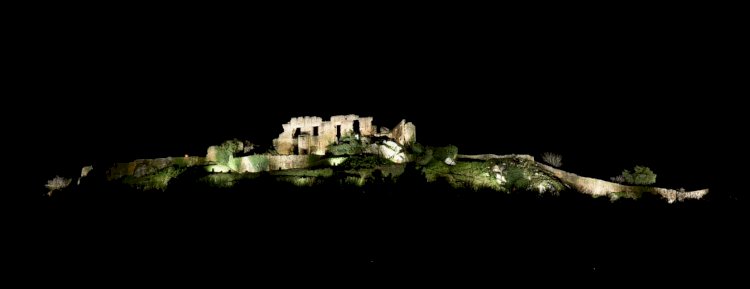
(315, 134)
(285, 162)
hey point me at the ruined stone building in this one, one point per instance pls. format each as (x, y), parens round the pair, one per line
(312, 135)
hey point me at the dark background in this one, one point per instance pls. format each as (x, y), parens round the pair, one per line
(606, 90)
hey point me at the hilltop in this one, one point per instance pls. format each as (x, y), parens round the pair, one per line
(350, 152)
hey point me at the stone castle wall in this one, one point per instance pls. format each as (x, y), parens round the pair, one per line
(309, 142)
(276, 163)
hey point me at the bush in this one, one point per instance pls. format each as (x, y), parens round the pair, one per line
(441, 153)
(367, 162)
(553, 159)
(57, 183)
(226, 150)
(640, 176)
(259, 163)
(516, 179)
(220, 180)
(425, 158)
(156, 181)
(234, 163)
(348, 145)
(416, 149)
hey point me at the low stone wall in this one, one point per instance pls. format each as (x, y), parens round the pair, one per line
(285, 162)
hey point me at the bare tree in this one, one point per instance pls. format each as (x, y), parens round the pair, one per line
(618, 179)
(553, 159)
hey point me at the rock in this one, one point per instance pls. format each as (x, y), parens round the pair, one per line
(86, 170)
(143, 169)
(211, 154)
(392, 151)
(500, 178)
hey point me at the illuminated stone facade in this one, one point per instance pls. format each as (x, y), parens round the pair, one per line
(312, 135)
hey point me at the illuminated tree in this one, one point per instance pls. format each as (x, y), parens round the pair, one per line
(57, 183)
(225, 152)
(640, 176)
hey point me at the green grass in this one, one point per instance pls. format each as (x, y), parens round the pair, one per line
(475, 175)
(221, 180)
(326, 172)
(364, 162)
(156, 181)
(625, 195)
(519, 175)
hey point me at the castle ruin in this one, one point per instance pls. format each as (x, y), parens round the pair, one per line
(311, 135)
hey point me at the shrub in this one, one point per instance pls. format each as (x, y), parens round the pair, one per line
(348, 145)
(259, 162)
(226, 150)
(553, 159)
(416, 149)
(640, 176)
(425, 158)
(516, 179)
(156, 181)
(57, 183)
(234, 163)
(220, 180)
(441, 153)
(368, 161)
(161, 179)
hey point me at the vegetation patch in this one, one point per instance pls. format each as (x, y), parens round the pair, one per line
(348, 145)
(626, 195)
(156, 181)
(327, 172)
(220, 180)
(364, 162)
(441, 153)
(258, 163)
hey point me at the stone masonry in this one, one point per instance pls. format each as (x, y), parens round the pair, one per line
(312, 135)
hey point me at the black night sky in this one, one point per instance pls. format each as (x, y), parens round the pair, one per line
(605, 93)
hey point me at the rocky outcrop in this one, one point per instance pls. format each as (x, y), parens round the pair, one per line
(597, 187)
(211, 154)
(142, 167)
